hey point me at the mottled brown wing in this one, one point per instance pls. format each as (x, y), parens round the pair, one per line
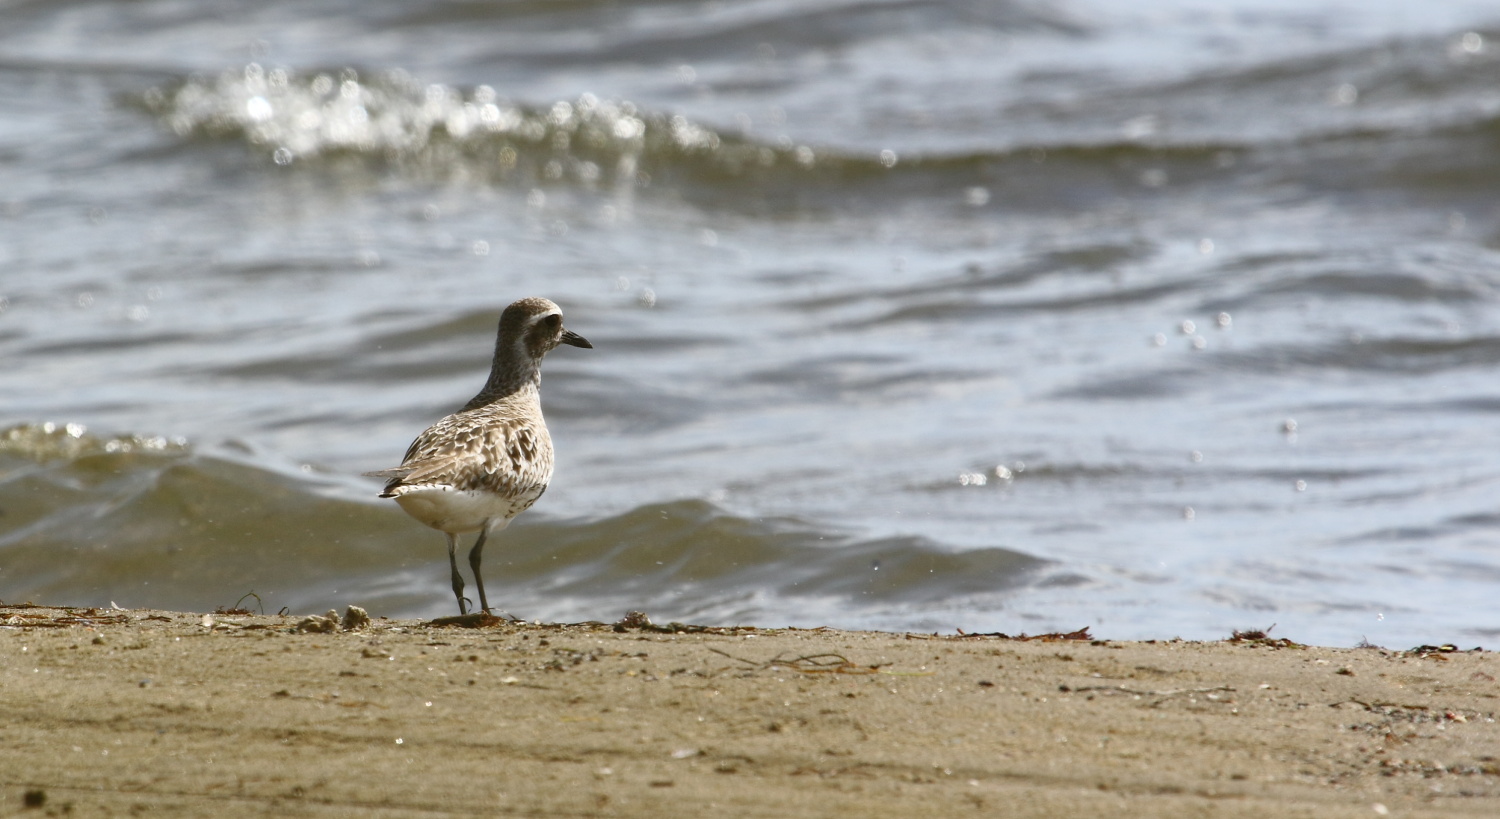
(439, 449)
(517, 460)
(508, 456)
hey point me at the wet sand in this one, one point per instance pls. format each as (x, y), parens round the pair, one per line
(110, 712)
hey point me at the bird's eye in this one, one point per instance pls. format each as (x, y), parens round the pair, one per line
(554, 320)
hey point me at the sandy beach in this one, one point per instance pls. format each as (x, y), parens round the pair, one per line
(130, 712)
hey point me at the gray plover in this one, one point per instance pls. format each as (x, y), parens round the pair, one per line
(481, 466)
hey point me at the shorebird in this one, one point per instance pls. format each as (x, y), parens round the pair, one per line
(481, 466)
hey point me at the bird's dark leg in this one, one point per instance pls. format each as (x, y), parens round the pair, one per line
(475, 554)
(458, 579)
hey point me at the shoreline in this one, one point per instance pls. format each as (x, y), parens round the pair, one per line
(182, 714)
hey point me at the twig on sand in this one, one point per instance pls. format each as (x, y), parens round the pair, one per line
(807, 663)
(1081, 635)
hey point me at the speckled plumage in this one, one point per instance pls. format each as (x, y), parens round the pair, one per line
(500, 451)
(481, 466)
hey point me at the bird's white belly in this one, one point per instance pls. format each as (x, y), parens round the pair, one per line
(455, 511)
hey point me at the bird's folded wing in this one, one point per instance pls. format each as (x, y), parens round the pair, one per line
(395, 474)
(492, 456)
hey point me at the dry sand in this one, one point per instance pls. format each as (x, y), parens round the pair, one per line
(156, 713)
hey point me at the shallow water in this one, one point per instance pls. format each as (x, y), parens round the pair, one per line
(991, 316)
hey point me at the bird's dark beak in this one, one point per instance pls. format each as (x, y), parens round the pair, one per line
(574, 340)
